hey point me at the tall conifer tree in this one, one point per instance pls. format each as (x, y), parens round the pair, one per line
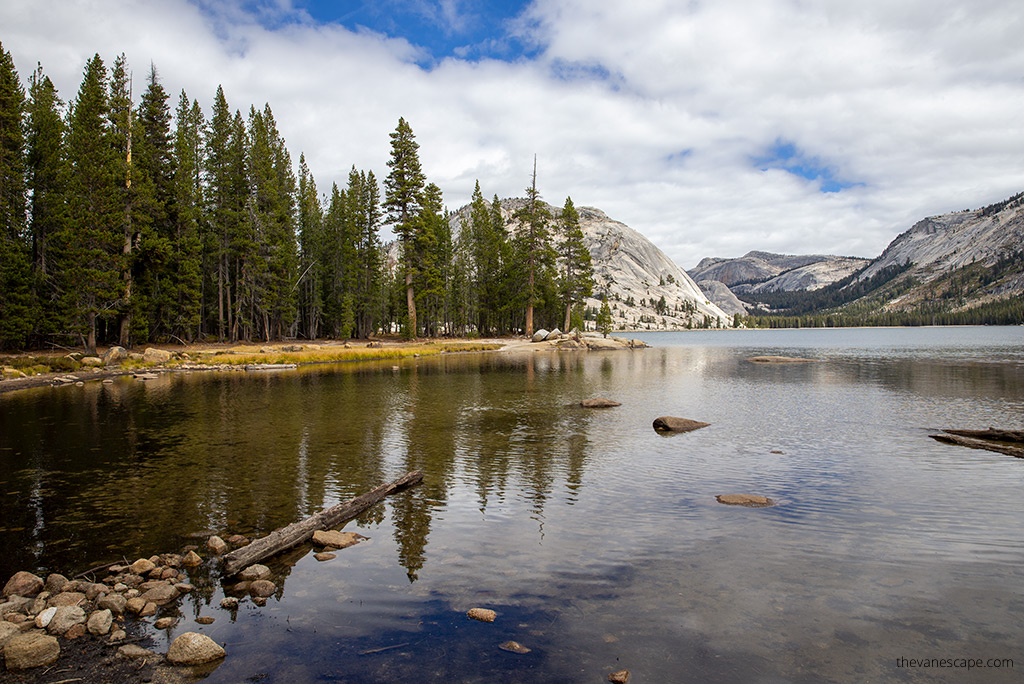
(577, 275)
(403, 199)
(187, 217)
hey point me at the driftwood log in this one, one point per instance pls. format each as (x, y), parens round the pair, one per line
(301, 531)
(1000, 441)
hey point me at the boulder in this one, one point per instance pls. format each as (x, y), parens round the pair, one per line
(92, 361)
(66, 598)
(636, 344)
(142, 566)
(672, 424)
(217, 545)
(192, 648)
(748, 500)
(56, 583)
(262, 588)
(32, 649)
(115, 603)
(23, 584)
(602, 343)
(254, 572)
(153, 355)
(160, 595)
(7, 630)
(135, 605)
(115, 355)
(64, 618)
(336, 539)
(540, 335)
(99, 622)
(599, 402)
(191, 559)
(554, 335)
(482, 614)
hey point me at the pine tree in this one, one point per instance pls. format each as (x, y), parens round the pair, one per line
(47, 183)
(577, 280)
(91, 243)
(185, 296)
(535, 240)
(311, 253)
(604, 318)
(121, 116)
(403, 199)
(16, 307)
(365, 218)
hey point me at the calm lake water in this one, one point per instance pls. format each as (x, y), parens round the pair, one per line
(598, 541)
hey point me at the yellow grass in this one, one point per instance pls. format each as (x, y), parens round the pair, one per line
(247, 354)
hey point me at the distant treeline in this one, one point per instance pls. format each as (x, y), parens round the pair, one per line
(122, 224)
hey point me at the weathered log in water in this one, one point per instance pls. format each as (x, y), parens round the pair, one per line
(301, 531)
(952, 437)
(1013, 436)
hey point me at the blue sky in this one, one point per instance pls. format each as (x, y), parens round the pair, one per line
(713, 128)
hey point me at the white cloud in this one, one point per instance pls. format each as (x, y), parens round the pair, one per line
(653, 111)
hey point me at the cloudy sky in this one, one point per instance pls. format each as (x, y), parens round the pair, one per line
(711, 126)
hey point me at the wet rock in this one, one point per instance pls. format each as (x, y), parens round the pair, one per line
(153, 355)
(599, 402)
(205, 620)
(191, 559)
(64, 618)
(165, 593)
(229, 603)
(168, 573)
(336, 539)
(43, 619)
(164, 623)
(513, 647)
(149, 609)
(184, 587)
(325, 556)
(620, 677)
(748, 500)
(56, 583)
(217, 545)
(34, 649)
(142, 566)
(262, 588)
(255, 572)
(23, 584)
(241, 587)
(100, 621)
(482, 614)
(540, 335)
(237, 540)
(7, 630)
(673, 424)
(115, 355)
(133, 651)
(192, 648)
(259, 601)
(135, 605)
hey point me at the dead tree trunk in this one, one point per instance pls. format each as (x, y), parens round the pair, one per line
(298, 532)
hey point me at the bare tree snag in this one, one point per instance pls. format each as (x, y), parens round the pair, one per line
(301, 531)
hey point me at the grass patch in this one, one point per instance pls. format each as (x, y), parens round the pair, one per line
(251, 355)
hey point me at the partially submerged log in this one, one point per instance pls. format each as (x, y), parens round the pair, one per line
(298, 532)
(1000, 441)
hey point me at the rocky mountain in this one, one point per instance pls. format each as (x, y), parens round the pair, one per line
(767, 272)
(646, 289)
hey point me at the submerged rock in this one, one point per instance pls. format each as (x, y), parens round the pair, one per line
(262, 588)
(336, 539)
(778, 359)
(513, 647)
(192, 648)
(599, 402)
(673, 424)
(254, 572)
(620, 677)
(482, 614)
(217, 545)
(748, 500)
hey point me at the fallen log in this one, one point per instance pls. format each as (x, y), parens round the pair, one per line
(1017, 452)
(1013, 436)
(301, 531)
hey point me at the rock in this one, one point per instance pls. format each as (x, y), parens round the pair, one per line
(92, 361)
(237, 540)
(135, 356)
(482, 614)
(324, 556)
(254, 572)
(66, 598)
(64, 618)
(540, 335)
(100, 621)
(168, 573)
(259, 601)
(149, 609)
(115, 355)
(132, 651)
(23, 584)
(191, 559)
(146, 376)
(153, 355)
(93, 590)
(620, 677)
(553, 335)
(142, 566)
(7, 630)
(599, 403)
(513, 647)
(241, 587)
(118, 635)
(262, 588)
(39, 604)
(192, 648)
(75, 631)
(603, 344)
(748, 500)
(165, 623)
(671, 424)
(165, 593)
(16, 604)
(778, 359)
(33, 649)
(135, 605)
(637, 344)
(56, 583)
(217, 545)
(43, 619)
(229, 603)
(336, 539)
(184, 587)
(205, 620)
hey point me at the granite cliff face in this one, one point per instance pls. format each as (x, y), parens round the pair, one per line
(767, 272)
(634, 272)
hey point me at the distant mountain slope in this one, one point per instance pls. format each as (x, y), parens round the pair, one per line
(635, 273)
(767, 272)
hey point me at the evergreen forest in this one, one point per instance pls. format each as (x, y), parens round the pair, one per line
(127, 223)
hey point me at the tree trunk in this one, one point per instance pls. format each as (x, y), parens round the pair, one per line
(90, 343)
(298, 532)
(410, 301)
(568, 312)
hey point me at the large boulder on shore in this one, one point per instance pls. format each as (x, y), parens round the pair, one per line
(32, 649)
(64, 618)
(192, 648)
(115, 355)
(153, 355)
(23, 584)
(673, 424)
(540, 335)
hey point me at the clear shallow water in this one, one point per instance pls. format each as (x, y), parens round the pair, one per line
(598, 541)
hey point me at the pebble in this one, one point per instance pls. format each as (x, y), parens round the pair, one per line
(324, 556)
(164, 623)
(205, 620)
(514, 647)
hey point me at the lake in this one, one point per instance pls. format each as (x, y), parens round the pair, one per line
(598, 541)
